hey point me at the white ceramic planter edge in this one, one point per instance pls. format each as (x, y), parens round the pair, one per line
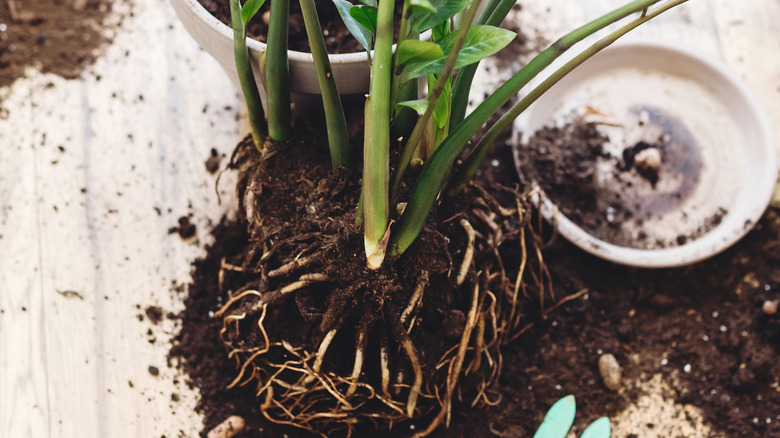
(350, 69)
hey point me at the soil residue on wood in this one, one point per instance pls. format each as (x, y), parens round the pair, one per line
(54, 36)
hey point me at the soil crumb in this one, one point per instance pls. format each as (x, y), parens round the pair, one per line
(154, 313)
(212, 163)
(55, 36)
(185, 229)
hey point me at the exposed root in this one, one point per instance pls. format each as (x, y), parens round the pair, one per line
(384, 365)
(415, 300)
(305, 280)
(360, 350)
(321, 355)
(297, 263)
(455, 366)
(468, 254)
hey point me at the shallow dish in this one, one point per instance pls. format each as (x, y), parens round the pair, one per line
(719, 165)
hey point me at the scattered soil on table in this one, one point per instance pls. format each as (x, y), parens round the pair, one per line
(337, 37)
(212, 163)
(699, 356)
(154, 313)
(185, 229)
(55, 36)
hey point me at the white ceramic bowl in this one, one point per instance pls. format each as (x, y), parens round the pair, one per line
(350, 69)
(734, 137)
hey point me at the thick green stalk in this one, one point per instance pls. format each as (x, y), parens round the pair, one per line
(493, 15)
(277, 72)
(470, 167)
(433, 96)
(436, 170)
(335, 120)
(246, 78)
(377, 142)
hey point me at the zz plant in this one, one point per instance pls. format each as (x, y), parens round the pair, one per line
(439, 43)
(442, 131)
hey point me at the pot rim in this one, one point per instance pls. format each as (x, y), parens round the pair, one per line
(722, 236)
(253, 44)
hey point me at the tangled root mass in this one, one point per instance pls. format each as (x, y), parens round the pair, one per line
(326, 342)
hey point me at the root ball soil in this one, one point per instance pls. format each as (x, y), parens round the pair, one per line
(317, 340)
(701, 330)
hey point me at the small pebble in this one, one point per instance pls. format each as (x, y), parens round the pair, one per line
(770, 307)
(228, 428)
(610, 371)
(266, 17)
(648, 159)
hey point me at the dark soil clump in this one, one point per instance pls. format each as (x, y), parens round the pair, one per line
(185, 229)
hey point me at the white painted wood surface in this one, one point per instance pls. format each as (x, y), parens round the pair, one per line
(94, 171)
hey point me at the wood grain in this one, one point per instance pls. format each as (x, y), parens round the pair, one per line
(94, 171)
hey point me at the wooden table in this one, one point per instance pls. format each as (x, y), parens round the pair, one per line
(94, 172)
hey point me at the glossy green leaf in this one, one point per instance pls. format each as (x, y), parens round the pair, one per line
(441, 111)
(422, 6)
(418, 51)
(361, 34)
(559, 418)
(598, 429)
(445, 9)
(249, 9)
(419, 105)
(481, 42)
(365, 15)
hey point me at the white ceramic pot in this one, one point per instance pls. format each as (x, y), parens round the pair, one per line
(727, 130)
(350, 69)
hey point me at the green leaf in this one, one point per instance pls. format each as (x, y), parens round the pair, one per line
(369, 2)
(419, 105)
(441, 111)
(481, 42)
(422, 7)
(249, 9)
(365, 15)
(598, 429)
(559, 418)
(445, 9)
(361, 34)
(418, 51)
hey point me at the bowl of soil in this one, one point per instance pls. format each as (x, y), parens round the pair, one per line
(208, 28)
(649, 155)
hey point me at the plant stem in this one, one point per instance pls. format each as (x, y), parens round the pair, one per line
(436, 170)
(277, 68)
(335, 120)
(403, 34)
(246, 77)
(377, 142)
(470, 167)
(493, 15)
(433, 96)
